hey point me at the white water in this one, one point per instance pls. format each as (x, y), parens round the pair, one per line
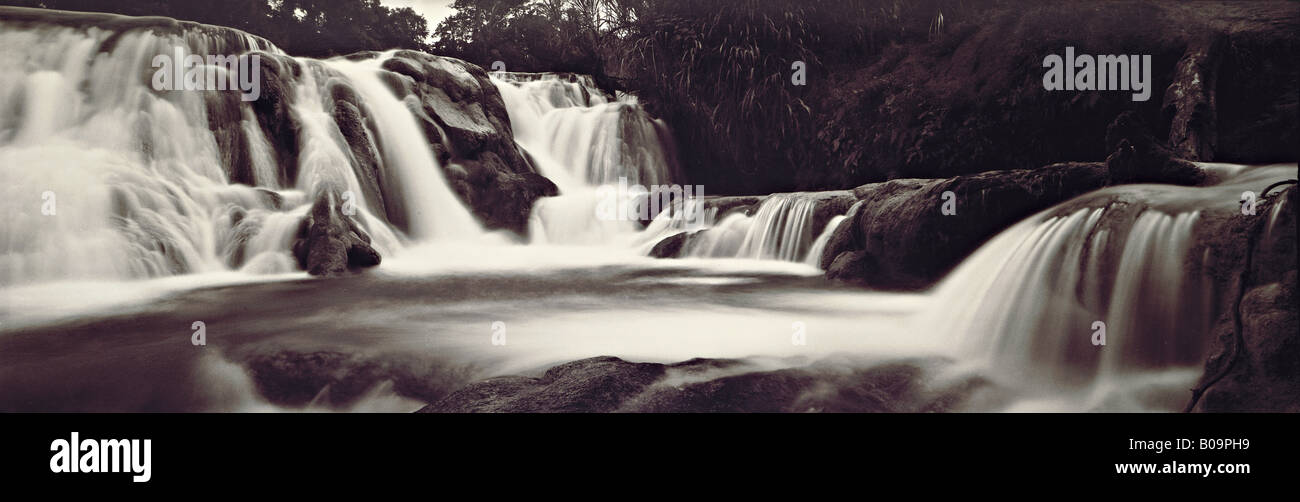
(583, 142)
(433, 210)
(781, 229)
(589, 146)
(136, 184)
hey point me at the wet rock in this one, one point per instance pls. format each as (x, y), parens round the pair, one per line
(225, 121)
(500, 196)
(854, 267)
(671, 246)
(356, 127)
(330, 242)
(274, 111)
(725, 205)
(829, 205)
(845, 238)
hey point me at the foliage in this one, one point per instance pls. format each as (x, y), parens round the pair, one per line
(314, 28)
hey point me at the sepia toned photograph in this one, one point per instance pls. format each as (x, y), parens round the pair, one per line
(647, 206)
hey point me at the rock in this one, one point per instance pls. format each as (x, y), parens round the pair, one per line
(330, 242)
(339, 380)
(1122, 164)
(671, 246)
(1137, 157)
(356, 128)
(1190, 100)
(598, 384)
(274, 111)
(1254, 362)
(501, 197)
(606, 384)
(465, 119)
(225, 120)
(845, 238)
(903, 241)
(830, 204)
(854, 267)
(728, 204)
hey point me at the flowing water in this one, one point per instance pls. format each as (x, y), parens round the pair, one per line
(155, 231)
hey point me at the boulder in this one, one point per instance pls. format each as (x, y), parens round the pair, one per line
(671, 246)
(330, 242)
(900, 239)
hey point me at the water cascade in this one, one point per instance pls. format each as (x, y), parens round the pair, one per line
(107, 178)
(587, 145)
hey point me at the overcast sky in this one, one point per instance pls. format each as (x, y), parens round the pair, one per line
(434, 11)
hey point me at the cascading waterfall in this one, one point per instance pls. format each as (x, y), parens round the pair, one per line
(433, 211)
(781, 229)
(583, 142)
(1029, 303)
(107, 178)
(1016, 302)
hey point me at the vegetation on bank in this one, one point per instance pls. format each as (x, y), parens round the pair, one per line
(895, 89)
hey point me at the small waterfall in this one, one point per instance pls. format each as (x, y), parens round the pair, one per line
(814, 256)
(107, 178)
(586, 145)
(782, 229)
(1031, 301)
(432, 209)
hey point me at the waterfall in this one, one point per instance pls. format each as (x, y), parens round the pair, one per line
(433, 211)
(583, 142)
(781, 229)
(814, 255)
(1032, 302)
(106, 178)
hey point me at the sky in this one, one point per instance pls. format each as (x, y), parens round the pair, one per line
(434, 11)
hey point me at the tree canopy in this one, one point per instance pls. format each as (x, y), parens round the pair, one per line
(313, 28)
